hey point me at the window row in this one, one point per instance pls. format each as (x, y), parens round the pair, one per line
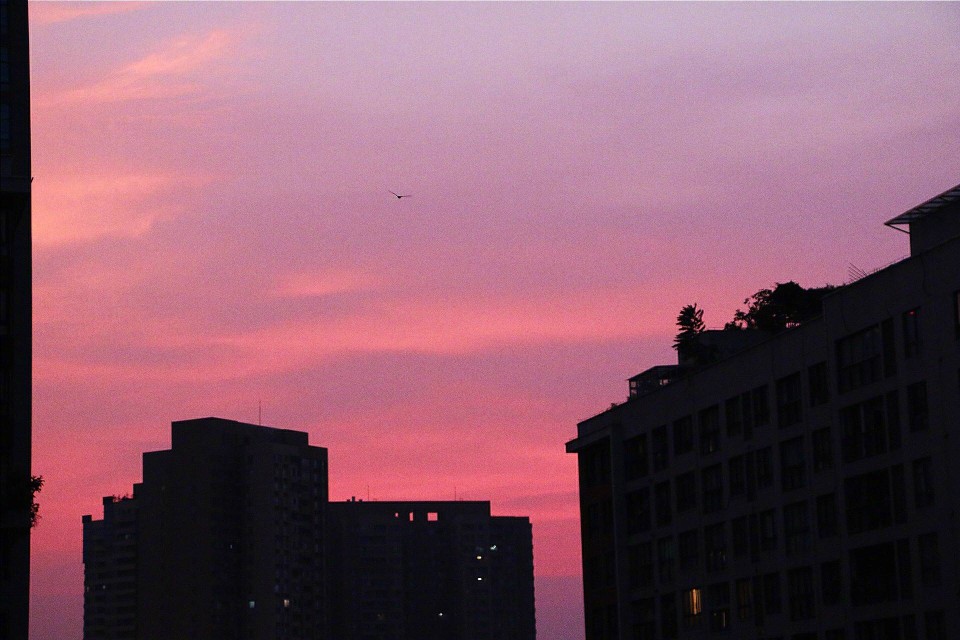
(867, 429)
(877, 574)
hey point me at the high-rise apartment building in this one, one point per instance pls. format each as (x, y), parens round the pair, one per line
(110, 558)
(231, 535)
(801, 488)
(15, 320)
(429, 571)
(227, 532)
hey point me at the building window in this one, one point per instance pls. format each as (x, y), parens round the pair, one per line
(828, 522)
(712, 482)
(692, 607)
(666, 559)
(635, 457)
(800, 593)
(873, 574)
(764, 468)
(715, 546)
(640, 565)
(766, 530)
(718, 598)
(923, 483)
(879, 628)
(956, 312)
(659, 444)
(789, 401)
(796, 527)
(792, 468)
(686, 491)
(831, 583)
(736, 470)
(918, 417)
(644, 618)
(661, 503)
(911, 333)
(683, 435)
(822, 441)
(689, 548)
(709, 430)
(929, 552)
(935, 627)
(668, 617)
(761, 407)
(909, 627)
(638, 511)
(870, 428)
(741, 536)
(4, 126)
(869, 501)
(899, 491)
(734, 415)
(744, 590)
(865, 357)
(772, 601)
(594, 463)
(819, 383)
(598, 520)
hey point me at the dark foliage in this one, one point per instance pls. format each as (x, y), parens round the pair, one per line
(786, 305)
(689, 323)
(36, 484)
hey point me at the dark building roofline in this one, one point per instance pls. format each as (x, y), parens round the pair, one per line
(933, 205)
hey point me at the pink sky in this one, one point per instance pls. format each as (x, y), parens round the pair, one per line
(212, 227)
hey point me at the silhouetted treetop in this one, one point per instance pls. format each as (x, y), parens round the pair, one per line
(689, 324)
(786, 305)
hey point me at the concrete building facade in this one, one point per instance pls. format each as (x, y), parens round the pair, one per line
(801, 488)
(15, 321)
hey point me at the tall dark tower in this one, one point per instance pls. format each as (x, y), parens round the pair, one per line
(15, 320)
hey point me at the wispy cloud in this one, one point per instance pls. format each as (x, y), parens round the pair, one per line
(165, 73)
(318, 283)
(83, 207)
(45, 13)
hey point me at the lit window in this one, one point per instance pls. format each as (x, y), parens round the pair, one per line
(252, 604)
(692, 607)
(433, 516)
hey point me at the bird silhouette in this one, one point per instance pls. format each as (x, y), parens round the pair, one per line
(406, 195)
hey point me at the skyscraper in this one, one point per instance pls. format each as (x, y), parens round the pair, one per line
(15, 320)
(227, 539)
(800, 488)
(231, 535)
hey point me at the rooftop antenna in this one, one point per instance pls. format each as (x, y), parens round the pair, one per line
(855, 273)
(259, 413)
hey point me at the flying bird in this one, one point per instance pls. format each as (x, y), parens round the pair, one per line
(407, 195)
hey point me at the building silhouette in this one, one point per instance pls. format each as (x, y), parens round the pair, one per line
(231, 535)
(429, 570)
(798, 488)
(110, 557)
(15, 320)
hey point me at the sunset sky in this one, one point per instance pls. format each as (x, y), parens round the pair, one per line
(213, 230)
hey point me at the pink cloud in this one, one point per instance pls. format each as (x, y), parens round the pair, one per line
(46, 13)
(163, 75)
